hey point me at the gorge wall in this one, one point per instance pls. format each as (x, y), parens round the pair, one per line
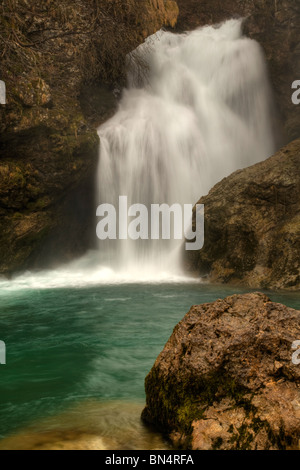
(62, 62)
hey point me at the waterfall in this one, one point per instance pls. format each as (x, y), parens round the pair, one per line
(197, 108)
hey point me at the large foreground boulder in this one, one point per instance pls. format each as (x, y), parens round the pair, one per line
(226, 378)
(252, 225)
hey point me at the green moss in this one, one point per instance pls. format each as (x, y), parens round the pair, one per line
(187, 413)
(243, 438)
(175, 405)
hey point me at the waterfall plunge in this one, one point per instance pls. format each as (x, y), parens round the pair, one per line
(197, 108)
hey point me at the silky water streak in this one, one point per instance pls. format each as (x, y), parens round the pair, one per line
(197, 108)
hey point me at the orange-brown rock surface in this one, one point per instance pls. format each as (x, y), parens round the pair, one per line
(252, 225)
(226, 379)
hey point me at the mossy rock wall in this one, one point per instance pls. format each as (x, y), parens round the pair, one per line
(61, 61)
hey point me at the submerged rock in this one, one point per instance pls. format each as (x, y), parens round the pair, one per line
(252, 225)
(226, 380)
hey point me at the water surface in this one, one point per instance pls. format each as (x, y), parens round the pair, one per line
(77, 354)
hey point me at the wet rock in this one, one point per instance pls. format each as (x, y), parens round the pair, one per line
(252, 225)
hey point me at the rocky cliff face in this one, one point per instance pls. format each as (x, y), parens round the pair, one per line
(252, 225)
(61, 61)
(226, 379)
(275, 25)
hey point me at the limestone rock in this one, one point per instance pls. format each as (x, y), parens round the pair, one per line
(252, 225)
(226, 380)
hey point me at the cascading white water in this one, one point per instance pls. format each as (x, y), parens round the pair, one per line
(197, 108)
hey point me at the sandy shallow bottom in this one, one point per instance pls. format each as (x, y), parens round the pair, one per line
(90, 426)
